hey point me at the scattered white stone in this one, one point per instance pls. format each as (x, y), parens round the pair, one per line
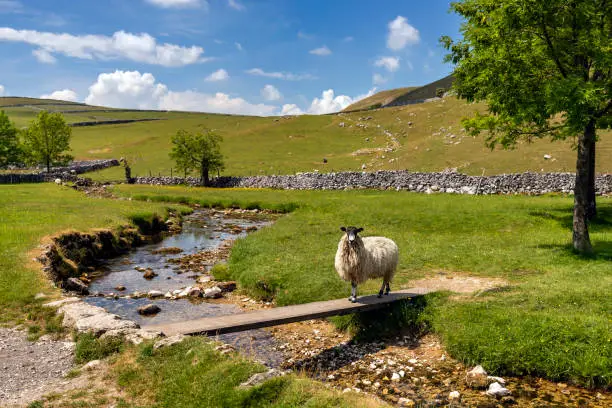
(344, 391)
(547, 157)
(395, 377)
(497, 390)
(331, 377)
(413, 361)
(155, 294)
(366, 382)
(372, 366)
(261, 377)
(405, 402)
(454, 395)
(391, 362)
(496, 379)
(213, 292)
(92, 365)
(402, 373)
(204, 279)
(168, 341)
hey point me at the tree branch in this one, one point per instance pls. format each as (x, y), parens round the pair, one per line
(552, 49)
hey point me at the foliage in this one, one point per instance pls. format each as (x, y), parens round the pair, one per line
(46, 140)
(89, 348)
(10, 151)
(550, 290)
(199, 151)
(543, 67)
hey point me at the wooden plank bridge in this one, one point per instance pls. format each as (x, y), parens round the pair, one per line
(282, 315)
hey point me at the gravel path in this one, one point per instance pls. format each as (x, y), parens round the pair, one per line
(27, 368)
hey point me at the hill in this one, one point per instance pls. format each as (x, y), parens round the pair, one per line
(403, 96)
(417, 137)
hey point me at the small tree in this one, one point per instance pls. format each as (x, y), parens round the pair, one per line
(199, 151)
(544, 67)
(46, 140)
(10, 151)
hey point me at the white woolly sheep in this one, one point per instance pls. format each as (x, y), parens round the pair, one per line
(359, 259)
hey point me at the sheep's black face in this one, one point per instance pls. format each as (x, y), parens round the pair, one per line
(351, 232)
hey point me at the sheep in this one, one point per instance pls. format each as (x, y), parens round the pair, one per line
(359, 259)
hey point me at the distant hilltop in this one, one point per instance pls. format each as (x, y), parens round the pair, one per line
(403, 96)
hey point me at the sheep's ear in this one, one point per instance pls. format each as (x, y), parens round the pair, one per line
(359, 229)
(342, 229)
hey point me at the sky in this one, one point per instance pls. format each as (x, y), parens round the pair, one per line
(254, 57)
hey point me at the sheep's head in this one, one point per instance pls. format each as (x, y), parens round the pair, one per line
(351, 233)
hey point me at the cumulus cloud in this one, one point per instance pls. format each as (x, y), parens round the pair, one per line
(329, 103)
(291, 109)
(177, 3)
(288, 76)
(131, 89)
(391, 64)
(219, 75)
(235, 5)
(238, 46)
(401, 34)
(121, 45)
(321, 51)
(44, 56)
(270, 93)
(378, 79)
(1, 90)
(347, 39)
(63, 95)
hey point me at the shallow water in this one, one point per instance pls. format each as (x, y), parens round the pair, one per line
(202, 230)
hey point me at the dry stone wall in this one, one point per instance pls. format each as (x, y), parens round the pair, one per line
(444, 182)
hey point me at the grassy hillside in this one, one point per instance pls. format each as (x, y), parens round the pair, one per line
(424, 137)
(379, 99)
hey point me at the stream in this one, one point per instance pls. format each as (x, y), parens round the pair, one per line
(203, 230)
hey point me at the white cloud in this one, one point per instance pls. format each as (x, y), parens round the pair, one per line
(126, 89)
(63, 95)
(44, 56)
(10, 6)
(1, 90)
(238, 46)
(321, 51)
(391, 64)
(270, 93)
(122, 45)
(177, 3)
(378, 79)
(288, 76)
(235, 5)
(348, 39)
(291, 109)
(131, 89)
(401, 34)
(219, 75)
(304, 36)
(330, 103)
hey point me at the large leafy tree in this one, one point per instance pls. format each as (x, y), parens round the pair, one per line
(544, 67)
(10, 151)
(47, 139)
(200, 151)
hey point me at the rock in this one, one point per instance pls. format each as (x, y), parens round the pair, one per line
(39, 296)
(500, 380)
(140, 269)
(148, 310)
(134, 336)
(76, 285)
(259, 378)
(62, 302)
(167, 250)
(92, 365)
(195, 292)
(454, 395)
(547, 157)
(155, 294)
(497, 390)
(212, 293)
(120, 288)
(395, 377)
(227, 286)
(149, 274)
(204, 279)
(405, 402)
(476, 377)
(76, 311)
(100, 323)
(168, 341)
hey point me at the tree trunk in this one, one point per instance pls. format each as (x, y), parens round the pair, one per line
(204, 178)
(592, 205)
(48, 165)
(580, 237)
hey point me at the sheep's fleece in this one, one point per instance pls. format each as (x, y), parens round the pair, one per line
(373, 257)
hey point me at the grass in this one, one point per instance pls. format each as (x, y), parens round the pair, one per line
(553, 321)
(432, 141)
(378, 99)
(31, 212)
(192, 374)
(89, 348)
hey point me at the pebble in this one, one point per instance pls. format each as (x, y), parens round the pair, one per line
(497, 390)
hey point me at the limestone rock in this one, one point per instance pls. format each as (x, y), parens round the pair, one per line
(100, 323)
(92, 365)
(148, 310)
(155, 294)
(213, 293)
(227, 286)
(168, 341)
(259, 378)
(477, 377)
(405, 402)
(149, 274)
(62, 302)
(76, 285)
(497, 390)
(454, 395)
(77, 311)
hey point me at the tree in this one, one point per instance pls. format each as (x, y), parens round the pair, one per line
(46, 140)
(544, 67)
(10, 151)
(199, 151)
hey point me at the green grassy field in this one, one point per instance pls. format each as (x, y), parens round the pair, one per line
(553, 320)
(428, 137)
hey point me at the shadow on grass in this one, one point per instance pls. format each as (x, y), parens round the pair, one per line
(403, 318)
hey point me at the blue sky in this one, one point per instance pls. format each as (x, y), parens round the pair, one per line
(260, 57)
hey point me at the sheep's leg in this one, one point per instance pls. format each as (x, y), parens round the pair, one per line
(382, 288)
(353, 297)
(388, 288)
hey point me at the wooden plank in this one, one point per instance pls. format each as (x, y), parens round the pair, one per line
(282, 315)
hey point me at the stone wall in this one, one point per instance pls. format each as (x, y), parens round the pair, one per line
(447, 182)
(67, 173)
